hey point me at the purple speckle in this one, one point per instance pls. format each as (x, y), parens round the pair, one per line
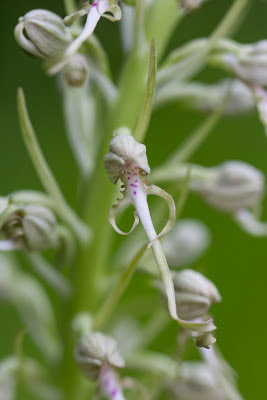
(134, 192)
(128, 178)
(136, 180)
(133, 185)
(95, 4)
(135, 174)
(135, 167)
(114, 392)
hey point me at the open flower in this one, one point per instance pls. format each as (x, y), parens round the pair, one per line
(127, 161)
(100, 8)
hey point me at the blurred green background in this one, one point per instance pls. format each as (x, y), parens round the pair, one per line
(236, 262)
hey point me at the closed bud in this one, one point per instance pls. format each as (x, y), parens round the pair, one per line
(233, 185)
(43, 34)
(94, 351)
(248, 62)
(194, 294)
(235, 95)
(186, 242)
(32, 227)
(197, 382)
(76, 71)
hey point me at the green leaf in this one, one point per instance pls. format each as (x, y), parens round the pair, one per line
(145, 115)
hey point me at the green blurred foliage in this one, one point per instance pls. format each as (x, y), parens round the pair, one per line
(236, 262)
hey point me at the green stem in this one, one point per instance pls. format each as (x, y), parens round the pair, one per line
(111, 302)
(170, 172)
(45, 174)
(183, 194)
(69, 6)
(153, 328)
(157, 363)
(188, 148)
(228, 22)
(161, 20)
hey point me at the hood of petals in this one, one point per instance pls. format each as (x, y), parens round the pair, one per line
(125, 151)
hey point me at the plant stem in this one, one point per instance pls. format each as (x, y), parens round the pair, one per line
(69, 6)
(161, 20)
(188, 148)
(156, 363)
(111, 302)
(153, 328)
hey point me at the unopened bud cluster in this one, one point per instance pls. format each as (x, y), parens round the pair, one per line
(234, 185)
(30, 226)
(247, 62)
(194, 294)
(197, 381)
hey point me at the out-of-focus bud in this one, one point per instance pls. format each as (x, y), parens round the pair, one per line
(43, 34)
(31, 226)
(194, 294)
(197, 382)
(190, 5)
(236, 95)
(232, 186)
(248, 62)
(76, 71)
(186, 242)
(94, 351)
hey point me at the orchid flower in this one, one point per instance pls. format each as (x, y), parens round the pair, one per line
(99, 9)
(127, 161)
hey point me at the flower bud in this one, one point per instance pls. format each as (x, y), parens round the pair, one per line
(43, 34)
(185, 243)
(197, 382)
(31, 226)
(125, 152)
(248, 63)
(76, 71)
(95, 350)
(235, 95)
(194, 294)
(232, 186)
